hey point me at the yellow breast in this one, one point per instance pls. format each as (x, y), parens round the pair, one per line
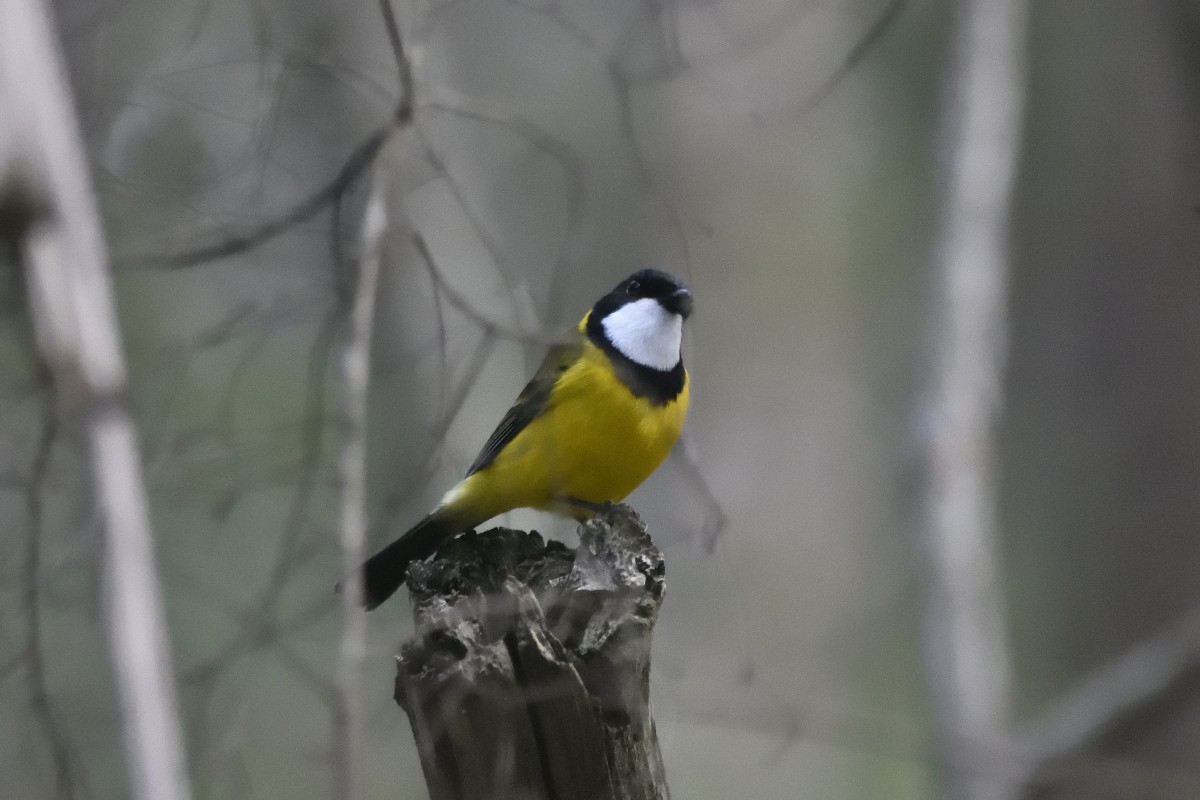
(595, 441)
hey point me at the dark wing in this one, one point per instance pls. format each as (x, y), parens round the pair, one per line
(531, 402)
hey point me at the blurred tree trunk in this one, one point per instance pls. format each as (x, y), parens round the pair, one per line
(966, 651)
(50, 214)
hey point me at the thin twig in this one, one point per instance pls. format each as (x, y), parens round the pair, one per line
(688, 462)
(474, 370)
(447, 100)
(233, 244)
(862, 46)
(39, 691)
(404, 73)
(355, 165)
(462, 198)
(489, 326)
(257, 622)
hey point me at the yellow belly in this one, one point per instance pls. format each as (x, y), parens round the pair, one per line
(594, 441)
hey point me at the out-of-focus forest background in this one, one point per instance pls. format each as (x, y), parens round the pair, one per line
(785, 159)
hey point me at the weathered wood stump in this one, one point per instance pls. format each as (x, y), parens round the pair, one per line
(528, 675)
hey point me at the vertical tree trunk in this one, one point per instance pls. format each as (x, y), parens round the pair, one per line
(47, 206)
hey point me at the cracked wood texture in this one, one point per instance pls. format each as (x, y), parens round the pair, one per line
(528, 674)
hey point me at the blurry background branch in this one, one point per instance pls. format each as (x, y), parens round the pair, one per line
(391, 168)
(44, 169)
(352, 487)
(231, 244)
(1114, 693)
(966, 651)
(64, 759)
(394, 174)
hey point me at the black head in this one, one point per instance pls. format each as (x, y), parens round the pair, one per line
(639, 324)
(655, 284)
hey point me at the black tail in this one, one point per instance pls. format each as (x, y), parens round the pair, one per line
(384, 572)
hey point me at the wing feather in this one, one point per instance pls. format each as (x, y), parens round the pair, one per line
(529, 404)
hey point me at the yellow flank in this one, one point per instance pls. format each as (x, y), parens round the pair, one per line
(594, 441)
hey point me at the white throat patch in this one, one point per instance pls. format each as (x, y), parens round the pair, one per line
(645, 333)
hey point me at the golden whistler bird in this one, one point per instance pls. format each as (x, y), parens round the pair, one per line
(600, 415)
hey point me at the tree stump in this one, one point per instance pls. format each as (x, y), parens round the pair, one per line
(528, 675)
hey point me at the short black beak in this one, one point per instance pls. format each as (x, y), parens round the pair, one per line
(679, 302)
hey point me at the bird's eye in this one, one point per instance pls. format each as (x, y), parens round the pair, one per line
(632, 287)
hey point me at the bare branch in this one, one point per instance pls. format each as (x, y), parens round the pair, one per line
(71, 300)
(392, 170)
(447, 100)
(404, 110)
(462, 198)
(473, 371)
(39, 691)
(489, 326)
(1100, 700)
(715, 519)
(965, 650)
(890, 13)
(329, 195)
(258, 623)
(232, 244)
(352, 488)
(451, 102)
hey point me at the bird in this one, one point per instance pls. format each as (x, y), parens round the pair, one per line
(600, 414)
